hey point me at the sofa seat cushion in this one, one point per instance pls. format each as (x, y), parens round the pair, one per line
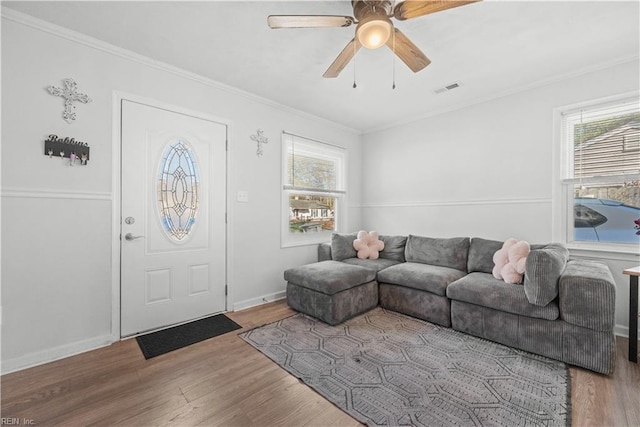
(329, 277)
(485, 290)
(424, 277)
(372, 264)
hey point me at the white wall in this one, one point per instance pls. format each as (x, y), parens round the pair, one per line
(57, 277)
(484, 170)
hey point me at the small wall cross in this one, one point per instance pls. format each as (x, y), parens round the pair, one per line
(260, 139)
(70, 95)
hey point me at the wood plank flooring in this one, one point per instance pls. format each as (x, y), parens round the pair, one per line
(225, 382)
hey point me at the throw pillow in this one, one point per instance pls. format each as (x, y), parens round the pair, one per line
(510, 261)
(368, 245)
(342, 246)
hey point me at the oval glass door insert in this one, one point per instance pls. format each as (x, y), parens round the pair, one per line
(178, 197)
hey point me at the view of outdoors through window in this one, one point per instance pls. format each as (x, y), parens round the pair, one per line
(606, 178)
(311, 212)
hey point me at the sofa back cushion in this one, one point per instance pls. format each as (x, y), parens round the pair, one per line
(542, 273)
(324, 252)
(452, 253)
(342, 246)
(393, 247)
(481, 255)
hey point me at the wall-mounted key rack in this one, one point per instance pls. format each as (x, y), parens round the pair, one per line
(76, 151)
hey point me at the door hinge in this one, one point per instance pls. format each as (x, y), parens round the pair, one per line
(226, 145)
(226, 290)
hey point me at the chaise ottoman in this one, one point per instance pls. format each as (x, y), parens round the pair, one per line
(331, 291)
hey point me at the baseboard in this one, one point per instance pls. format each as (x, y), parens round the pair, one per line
(50, 355)
(623, 331)
(241, 305)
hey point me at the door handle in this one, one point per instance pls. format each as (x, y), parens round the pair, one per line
(130, 237)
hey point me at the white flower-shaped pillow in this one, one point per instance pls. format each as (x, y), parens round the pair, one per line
(368, 245)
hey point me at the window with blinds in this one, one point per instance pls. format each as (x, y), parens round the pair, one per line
(602, 172)
(313, 188)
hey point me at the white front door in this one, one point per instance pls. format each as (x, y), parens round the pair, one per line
(173, 235)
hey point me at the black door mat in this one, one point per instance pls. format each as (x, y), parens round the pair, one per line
(166, 340)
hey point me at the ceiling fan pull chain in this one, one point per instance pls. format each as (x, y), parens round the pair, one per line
(354, 66)
(393, 86)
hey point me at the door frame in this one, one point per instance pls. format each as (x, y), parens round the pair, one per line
(116, 190)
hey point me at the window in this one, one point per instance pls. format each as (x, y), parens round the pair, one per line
(313, 192)
(601, 173)
(631, 142)
(177, 190)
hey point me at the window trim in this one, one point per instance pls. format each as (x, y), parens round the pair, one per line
(562, 193)
(288, 239)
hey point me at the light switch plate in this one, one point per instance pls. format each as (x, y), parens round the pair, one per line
(243, 196)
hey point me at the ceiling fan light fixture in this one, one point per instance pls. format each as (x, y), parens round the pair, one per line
(374, 31)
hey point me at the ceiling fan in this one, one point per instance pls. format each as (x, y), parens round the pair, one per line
(374, 28)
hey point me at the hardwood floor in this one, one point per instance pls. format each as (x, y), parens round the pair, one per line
(224, 381)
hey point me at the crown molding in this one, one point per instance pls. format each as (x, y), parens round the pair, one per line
(91, 42)
(507, 92)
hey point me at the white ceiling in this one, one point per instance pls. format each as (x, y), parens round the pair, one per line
(491, 47)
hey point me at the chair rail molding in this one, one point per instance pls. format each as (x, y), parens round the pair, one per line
(425, 203)
(45, 193)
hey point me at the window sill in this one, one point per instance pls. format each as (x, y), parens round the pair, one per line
(605, 251)
(305, 240)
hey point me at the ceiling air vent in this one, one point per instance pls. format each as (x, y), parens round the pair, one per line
(447, 88)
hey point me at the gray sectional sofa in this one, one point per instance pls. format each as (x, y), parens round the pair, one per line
(564, 309)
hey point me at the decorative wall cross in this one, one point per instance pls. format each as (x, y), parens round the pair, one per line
(260, 139)
(68, 92)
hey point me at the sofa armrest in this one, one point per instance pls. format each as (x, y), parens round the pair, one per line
(324, 252)
(588, 295)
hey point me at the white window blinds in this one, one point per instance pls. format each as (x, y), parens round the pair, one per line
(313, 166)
(603, 143)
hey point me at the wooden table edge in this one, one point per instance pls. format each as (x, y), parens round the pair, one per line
(634, 271)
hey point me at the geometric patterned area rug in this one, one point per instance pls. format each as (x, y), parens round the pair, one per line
(385, 368)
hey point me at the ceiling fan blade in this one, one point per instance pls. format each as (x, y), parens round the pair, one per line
(308, 21)
(407, 51)
(414, 8)
(343, 59)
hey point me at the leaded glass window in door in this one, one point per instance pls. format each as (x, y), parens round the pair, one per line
(178, 190)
